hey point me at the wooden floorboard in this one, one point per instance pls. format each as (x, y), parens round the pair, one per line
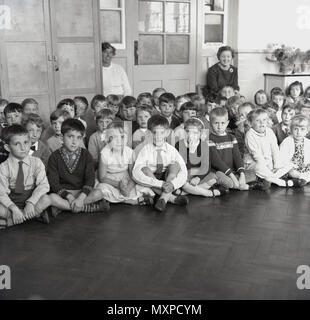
(246, 245)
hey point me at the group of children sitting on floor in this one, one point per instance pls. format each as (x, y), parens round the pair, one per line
(152, 150)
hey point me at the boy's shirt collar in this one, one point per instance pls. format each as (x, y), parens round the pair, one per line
(26, 160)
(34, 148)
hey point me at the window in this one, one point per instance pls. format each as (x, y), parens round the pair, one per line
(164, 32)
(214, 22)
(112, 22)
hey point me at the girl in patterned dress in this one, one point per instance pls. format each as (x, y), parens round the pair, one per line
(295, 149)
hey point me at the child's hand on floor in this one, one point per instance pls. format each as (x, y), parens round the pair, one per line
(17, 215)
(168, 187)
(29, 211)
(195, 181)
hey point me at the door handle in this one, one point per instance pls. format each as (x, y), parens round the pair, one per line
(136, 52)
(56, 66)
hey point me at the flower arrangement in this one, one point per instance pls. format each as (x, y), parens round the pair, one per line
(291, 59)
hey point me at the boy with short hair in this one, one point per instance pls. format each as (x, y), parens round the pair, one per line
(57, 118)
(34, 125)
(23, 180)
(71, 172)
(167, 106)
(188, 110)
(81, 106)
(156, 94)
(30, 105)
(160, 166)
(98, 140)
(282, 129)
(225, 155)
(113, 103)
(144, 113)
(13, 113)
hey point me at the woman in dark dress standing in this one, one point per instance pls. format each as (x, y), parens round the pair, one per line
(222, 73)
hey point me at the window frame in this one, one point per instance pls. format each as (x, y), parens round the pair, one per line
(224, 13)
(122, 45)
(166, 34)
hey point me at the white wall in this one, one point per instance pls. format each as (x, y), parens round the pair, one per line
(265, 21)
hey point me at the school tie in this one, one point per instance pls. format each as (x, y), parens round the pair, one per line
(159, 163)
(33, 148)
(19, 188)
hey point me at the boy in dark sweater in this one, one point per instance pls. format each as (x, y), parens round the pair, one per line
(225, 155)
(71, 172)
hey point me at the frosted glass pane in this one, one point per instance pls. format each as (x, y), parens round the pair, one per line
(213, 28)
(27, 67)
(27, 20)
(110, 4)
(177, 17)
(218, 5)
(110, 26)
(177, 49)
(150, 16)
(76, 65)
(151, 49)
(74, 18)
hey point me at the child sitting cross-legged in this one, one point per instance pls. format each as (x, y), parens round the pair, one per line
(23, 180)
(264, 152)
(195, 151)
(160, 166)
(71, 173)
(98, 140)
(115, 167)
(225, 155)
(295, 149)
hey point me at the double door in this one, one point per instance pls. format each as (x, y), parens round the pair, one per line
(51, 50)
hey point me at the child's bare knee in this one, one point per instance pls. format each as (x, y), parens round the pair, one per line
(147, 171)
(174, 168)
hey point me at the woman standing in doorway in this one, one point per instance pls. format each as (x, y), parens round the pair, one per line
(223, 73)
(115, 80)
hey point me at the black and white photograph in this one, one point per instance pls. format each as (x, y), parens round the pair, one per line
(155, 150)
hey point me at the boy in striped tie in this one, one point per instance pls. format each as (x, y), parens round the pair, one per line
(23, 180)
(160, 166)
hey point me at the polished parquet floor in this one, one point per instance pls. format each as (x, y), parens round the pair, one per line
(246, 245)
